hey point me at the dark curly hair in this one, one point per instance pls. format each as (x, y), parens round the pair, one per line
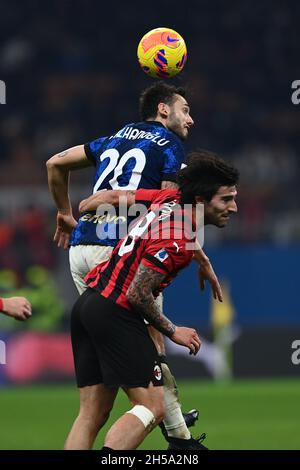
(159, 92)
(204, 174)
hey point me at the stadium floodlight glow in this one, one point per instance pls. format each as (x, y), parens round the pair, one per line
(2, 92)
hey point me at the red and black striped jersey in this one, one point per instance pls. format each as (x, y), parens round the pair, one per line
(159, 240)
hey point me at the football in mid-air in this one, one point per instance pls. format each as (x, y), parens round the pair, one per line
(162, 53)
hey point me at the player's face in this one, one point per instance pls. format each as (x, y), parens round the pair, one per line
(179, 120)
(221, 206)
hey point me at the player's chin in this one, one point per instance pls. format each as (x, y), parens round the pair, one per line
(184, 134)
(222, 223)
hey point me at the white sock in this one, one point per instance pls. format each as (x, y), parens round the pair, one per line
(174, 420)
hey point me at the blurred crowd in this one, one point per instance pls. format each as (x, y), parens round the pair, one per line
(72, 75)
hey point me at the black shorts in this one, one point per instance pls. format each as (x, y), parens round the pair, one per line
(111, 345)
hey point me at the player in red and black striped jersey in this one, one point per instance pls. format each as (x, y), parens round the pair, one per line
(158, 241)
(111, 344)
(144, 155)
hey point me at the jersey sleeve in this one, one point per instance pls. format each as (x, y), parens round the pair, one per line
(92, 149)
(148, 196)
(167, 256)
(173, 158)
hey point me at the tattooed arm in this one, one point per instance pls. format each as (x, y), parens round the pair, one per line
(58, 168)
(140, 296)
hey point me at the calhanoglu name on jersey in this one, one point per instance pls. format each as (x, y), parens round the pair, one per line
(131, 133)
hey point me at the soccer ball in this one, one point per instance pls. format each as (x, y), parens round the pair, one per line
(162, 53)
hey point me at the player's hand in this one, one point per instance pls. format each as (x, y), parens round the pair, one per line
(65, 224)
(206, 273)
(17, 307)
(187, 337)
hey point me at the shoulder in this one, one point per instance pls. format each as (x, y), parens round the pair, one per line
(166, 195)
(168, 254)
(156, 196)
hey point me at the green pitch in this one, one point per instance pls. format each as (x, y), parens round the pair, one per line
(241, 415)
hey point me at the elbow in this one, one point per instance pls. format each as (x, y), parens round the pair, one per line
(113, 197)
(117, 197)
(82, 206)
(51, 163)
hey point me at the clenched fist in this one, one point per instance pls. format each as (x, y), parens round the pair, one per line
(187, 337)
(17, 307)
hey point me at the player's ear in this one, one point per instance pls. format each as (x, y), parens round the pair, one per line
(163, 110)
(199, 200)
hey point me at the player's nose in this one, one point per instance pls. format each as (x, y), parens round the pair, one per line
(233, 207)
(190, 121)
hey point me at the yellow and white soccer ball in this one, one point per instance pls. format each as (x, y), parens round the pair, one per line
(162, 53)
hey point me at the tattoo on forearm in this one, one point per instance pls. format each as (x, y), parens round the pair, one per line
(63, 154)
(141, 298)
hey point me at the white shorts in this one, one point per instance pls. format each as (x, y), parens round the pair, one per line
(83, 258)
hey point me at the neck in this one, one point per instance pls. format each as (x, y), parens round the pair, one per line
(158, 119)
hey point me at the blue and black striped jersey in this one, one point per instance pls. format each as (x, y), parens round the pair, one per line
(140, 155)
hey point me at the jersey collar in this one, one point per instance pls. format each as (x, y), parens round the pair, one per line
(157, 123)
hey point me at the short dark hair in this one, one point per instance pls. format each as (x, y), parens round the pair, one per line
(204, 174)
(159, 92)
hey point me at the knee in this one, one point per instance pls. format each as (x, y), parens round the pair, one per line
(95, 419)
(150, 415)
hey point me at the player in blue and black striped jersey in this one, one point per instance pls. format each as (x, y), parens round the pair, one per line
(140, 155)
(147, 155)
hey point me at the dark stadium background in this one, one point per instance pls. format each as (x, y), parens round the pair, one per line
(71, 75)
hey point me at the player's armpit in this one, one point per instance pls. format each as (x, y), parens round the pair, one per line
(113, 197)
(139, 294)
